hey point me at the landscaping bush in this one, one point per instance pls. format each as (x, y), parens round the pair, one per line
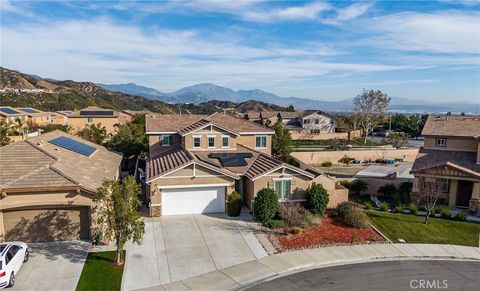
(399, 209)
(345, 160)
(265, 204)
(368, 206)
(345, 184)
(461, 216)
(358, 186)
(296, 230)
(343, 208)
(306, 219)
(326, 164)
(317, 199)
(413, 209)
(384, 207)
(387, 190)
(274, 223)
(445, 212)
(296, 216)
(433, 211)
(355, 217)
(234, 204)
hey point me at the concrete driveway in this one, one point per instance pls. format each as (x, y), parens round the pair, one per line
(183, 246)
(53, 266)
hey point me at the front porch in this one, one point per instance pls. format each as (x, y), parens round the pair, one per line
(461, 193)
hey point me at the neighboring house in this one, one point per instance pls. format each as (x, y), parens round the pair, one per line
(12, 115)
(126, 116)
(309, 121)
(47, 184)
(77, 120)
(37, 118)
(315, 121)
(197, 160)
(380, 175)
(451, 155)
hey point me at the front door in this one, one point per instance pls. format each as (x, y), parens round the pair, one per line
(465, 189)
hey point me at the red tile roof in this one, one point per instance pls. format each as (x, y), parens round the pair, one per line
(168, 161)
(448, 125)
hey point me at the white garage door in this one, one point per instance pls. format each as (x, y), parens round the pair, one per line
(193, 200)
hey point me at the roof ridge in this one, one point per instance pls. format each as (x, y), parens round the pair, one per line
(61, 173)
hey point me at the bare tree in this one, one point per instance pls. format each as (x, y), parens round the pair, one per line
(370, 108)
(397, 140)
(429, 192)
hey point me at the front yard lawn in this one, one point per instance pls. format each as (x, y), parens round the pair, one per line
(412, 229)
(100, 273)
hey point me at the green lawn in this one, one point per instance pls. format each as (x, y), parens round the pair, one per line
(100, 273)
(412, 229)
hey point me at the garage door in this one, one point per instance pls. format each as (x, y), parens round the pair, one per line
(193, 200)
(46, 224)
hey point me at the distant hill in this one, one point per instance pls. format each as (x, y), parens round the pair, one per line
(215, 105)
(134, 89)
(20, 89)
(206, 92)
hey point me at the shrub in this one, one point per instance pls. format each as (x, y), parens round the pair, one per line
(387, 190)
(317, 199)
(296, 216)
(399, 209)
(384, 207)
(445, 212)
(265, 204)
(343, 208)
(326, 164)
(368, 206)
(296, 230)
(306, 219)
(355, 217)
(413, 209)
(358, 186)
(461, 216)
(274, 223)
(345, 184)
(433, 211)
(345, 160)
(234, 204)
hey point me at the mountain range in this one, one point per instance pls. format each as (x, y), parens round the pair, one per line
(24, 90)
(206, 92)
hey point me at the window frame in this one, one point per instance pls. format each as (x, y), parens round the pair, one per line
(283, 196)
(208, 141)
(228, 142)
(169, 140)
(440, 144)
(90, 119)
(199, 137)
(261, 146)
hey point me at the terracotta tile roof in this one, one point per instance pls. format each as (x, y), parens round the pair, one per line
(427, 158)
(291, 115)
(194, 126)
(262, 165)
(447, 125)
(176, 123)
(168, 161)
(37, 163)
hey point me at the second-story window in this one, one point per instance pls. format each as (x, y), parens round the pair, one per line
(90, 119)
(317, 121)
(197, 142)
(440, 142)
(165, 140)
(225, 142)
(306, 121)
(211, 142)
(261, 141)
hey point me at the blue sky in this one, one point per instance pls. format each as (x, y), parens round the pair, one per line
(327, 50)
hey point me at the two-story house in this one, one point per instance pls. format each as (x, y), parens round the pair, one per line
(315, 121)
(77, 120)
(197, 160)
(451, 155)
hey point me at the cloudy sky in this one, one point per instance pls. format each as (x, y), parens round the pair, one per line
(316, 49)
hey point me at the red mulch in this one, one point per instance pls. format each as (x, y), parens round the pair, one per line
(329, 232)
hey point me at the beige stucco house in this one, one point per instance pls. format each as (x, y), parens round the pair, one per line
(47, 184)
(451, 155)
(197, 160)
(77, 120)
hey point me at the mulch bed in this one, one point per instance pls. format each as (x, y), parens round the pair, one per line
(329, 232)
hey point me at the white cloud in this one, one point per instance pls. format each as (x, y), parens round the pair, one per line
(353, 11)
(8, 6)
(98, 50)
(307, 12)
(443, 32)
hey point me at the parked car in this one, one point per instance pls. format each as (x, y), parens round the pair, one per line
(419, 137)
(12, 257)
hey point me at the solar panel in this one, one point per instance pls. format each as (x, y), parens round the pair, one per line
(106, 112)
(9, 111)
(73, 145)
(29, 110)
(231, 159)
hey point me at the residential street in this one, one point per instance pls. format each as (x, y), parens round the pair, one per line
(390, 275)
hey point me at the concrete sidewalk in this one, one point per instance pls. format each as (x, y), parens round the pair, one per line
(250, 273)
